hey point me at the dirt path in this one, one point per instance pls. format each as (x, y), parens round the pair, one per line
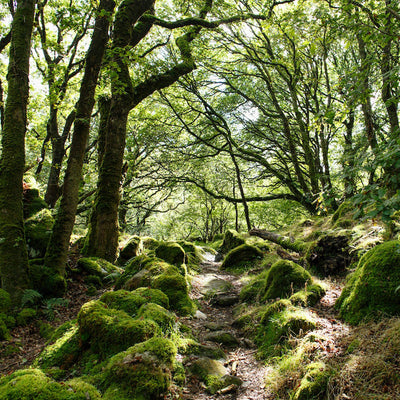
(240, 360)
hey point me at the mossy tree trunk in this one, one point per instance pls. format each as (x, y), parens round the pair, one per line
(103, 231)
(13, 253)
(56, 255)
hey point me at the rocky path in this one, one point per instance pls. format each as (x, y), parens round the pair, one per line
(217, 293)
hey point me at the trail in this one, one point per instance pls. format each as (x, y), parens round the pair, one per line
(240, 360)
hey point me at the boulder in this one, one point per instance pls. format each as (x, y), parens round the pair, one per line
(243, 256)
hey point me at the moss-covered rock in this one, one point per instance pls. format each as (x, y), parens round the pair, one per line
(130, 302)
(63, 352)
(142, 372)
(309, 296)
(243, 256)
(37, 232)
(45, 280)
(280, 321)
(232, 239)
(171, 252)
(174, 285)
(345, 208)
(26, 316)
(33, 384)
(149, 243)
(96, 266)
(284, 278)
(222, 337)
(5, 301)
(253, 291)
(132, 248)
(165, 319)
(372, 290)
(32, 202)
(314, 383)
(9, 320)
(192, 253)
(108, 331)
(4, 332)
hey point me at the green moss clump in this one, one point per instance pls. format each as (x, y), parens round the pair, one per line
(4, 332)
(309, 296)
(165, 319)
(172, 253)
(25, 316)
(37, 232)
(342, 210)
(63, 352)
(45, 280)
(280, 321)
(130, 302)
(149, 243)
(8, 320)
(242, 256)
(192, 254)
(32, 202)
(284, 278)
(96, 266)
(314, 383)
(109, 331)
(176, 288)
(33, 384)
(143, 372)
(133, 248)
(253, 291)
(5, 301)
(372, 290)
(232, 239)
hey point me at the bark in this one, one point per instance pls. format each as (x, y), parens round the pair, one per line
(284, 241)
(349, 158)
(103, 232)
(56, 255)
(13, 252)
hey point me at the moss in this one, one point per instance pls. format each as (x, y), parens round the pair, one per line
(172, 253)
(309, 296)
(26, 316)
(150, 243)
(280, 321)
(109, 331)
(133, 248)
(46, 330)
(372, 290)
(9, 320)
(192, 254)
(214, 384)
(314, 383)
(63, 352)
(96, 266)
(141, 372)
(130, 302)
(345, 208)
(253, 290)
(284, 278)
(45, 280)
(33, 384)
(176, 288)
(222, 337)
(32, 202)
(93, 280)
(165, 319)
(232, 239)
(197, 349)
(4, 332)
(37, 232)
(243, 256)
(5, 301)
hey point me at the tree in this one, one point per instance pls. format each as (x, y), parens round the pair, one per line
(13, 252)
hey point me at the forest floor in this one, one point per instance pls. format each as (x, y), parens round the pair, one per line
(241, 360)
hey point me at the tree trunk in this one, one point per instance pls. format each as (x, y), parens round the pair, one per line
(13, 252)
(57, 250)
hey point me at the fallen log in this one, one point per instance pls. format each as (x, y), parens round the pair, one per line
(330, 255)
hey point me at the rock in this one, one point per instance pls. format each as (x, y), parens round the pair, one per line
(200, 315)
(372, 290)
(224, 300)
(132, 248)
(210, 283)
(205, 350)
(204, 366)
(232, 239)
(212, 326)
(243, 256)
(97, 267)
(222, 337)
(171, 252)
(32, 202)
(38, 231)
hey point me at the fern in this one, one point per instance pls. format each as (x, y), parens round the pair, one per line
(30, 297)
(50, 306)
